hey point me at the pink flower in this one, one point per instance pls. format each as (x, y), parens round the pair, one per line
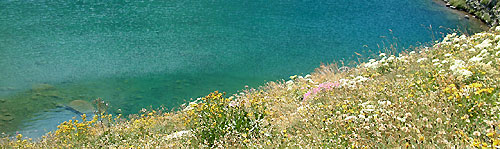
(321, 87)
(307, 95)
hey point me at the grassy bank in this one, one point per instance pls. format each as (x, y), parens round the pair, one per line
(442, 96)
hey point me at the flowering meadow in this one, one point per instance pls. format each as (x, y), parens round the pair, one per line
(442, 96)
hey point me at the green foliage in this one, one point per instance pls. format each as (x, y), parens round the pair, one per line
(460, 4)
(217, 119)
(485, 2)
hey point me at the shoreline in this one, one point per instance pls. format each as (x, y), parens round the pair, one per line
(465, 15)
(486, 11)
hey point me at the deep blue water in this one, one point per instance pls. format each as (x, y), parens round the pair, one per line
(134, 54)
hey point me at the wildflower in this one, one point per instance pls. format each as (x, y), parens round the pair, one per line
(485, 44)
(458, 68)
(306, 95)
(405, 129)
(381, 128)
(401, 119)
(476, 133)
(382, 54)
(421, 59)
(360, 79)
(421, 138)
(178, 134)
(408, 115)
(476, 59)
(490, 134)
(350, 118)
(391, 58)
(385, 103)
(447, 55)
(372, 64)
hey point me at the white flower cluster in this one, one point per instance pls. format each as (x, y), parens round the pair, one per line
(178, 134)
(352, 83)
(458, 68)
(485, 44)
(385, 61)
(191, 105)
(372, 63)
(483, 48)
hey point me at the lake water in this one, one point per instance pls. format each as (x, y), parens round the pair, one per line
(137, 54)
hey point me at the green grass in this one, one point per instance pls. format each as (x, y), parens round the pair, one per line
(442, 96)
(460, 4)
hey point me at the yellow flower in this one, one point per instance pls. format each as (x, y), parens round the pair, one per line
(476, 85)
(19, 136)
(491, 134)
(496, 142)
(421, 138)
(84, 117)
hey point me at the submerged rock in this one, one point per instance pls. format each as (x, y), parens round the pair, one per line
(42, 87)
(7, 88)
(81, 106)
(6, 117)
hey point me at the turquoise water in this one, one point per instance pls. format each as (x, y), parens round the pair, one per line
(135, 54)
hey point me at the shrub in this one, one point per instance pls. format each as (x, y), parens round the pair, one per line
(217, 120)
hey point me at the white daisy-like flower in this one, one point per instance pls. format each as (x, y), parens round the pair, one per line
(485, 44)
(372, 65)
(178, 134)
(421, 59)
(476, 59)
(350, 118)
(391, 58)
(385, 103)
(458, 68)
